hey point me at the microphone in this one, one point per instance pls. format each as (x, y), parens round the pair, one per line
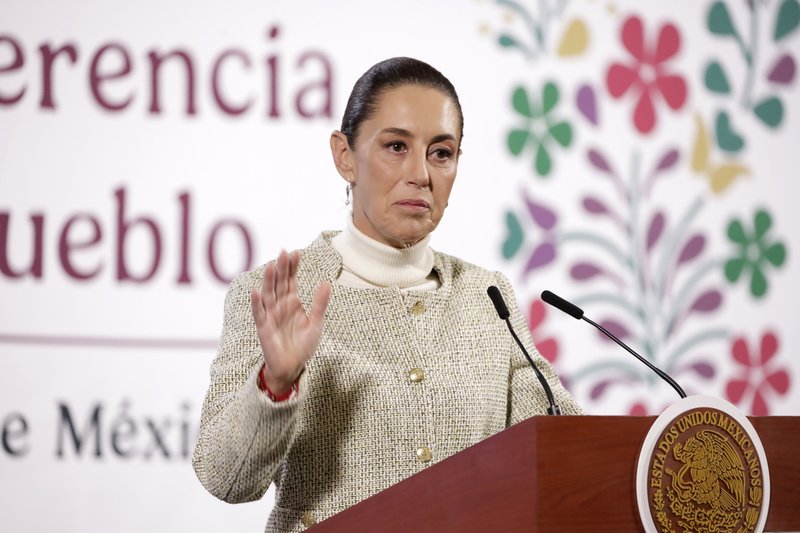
(576, 312)
(502, 312)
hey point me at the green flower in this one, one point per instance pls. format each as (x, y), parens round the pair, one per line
(539, 128)
(754, 252)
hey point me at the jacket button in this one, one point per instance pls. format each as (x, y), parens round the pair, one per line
(415, 375)
(424, 454)
(418, 308)
(308, 519)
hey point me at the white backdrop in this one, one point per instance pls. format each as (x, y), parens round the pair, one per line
(102, 373)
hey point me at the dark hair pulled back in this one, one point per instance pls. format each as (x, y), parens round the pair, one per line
(388, 74)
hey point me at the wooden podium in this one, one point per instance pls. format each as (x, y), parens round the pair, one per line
(553, 474)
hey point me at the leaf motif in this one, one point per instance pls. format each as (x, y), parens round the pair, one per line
(615, 327)
(693, 247)
(783, 70)
(541, 215)
(703, 369)
(513, 241)
(655, 229)
(668, 160)
(507, 41)
(594, 206)
(517, 140)
(707, 302)
(700, 151)
(719, 20)
(537, 33)
(727, 138)
(542, 255)
(598, 390)
(723, 175)
(787, 20)
(575, 39)
(715, 79)
(598, 161)
(587, 103)
(521, 102)
(584, 271)
(770, 111)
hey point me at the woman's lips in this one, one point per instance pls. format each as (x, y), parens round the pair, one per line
(413, 204)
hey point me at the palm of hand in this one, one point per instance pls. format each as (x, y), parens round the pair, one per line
(288, 336)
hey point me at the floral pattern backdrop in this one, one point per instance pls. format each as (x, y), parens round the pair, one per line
(625, 176)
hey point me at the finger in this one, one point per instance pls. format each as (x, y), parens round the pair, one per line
(257, 306)
(268, 286)
(282, 278)
(319, 304)
(294, 262)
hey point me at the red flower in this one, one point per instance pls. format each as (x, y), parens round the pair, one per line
(756, 378)
(547, 346)
(646, 72)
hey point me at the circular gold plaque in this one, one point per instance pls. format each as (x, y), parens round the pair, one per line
(702, 468)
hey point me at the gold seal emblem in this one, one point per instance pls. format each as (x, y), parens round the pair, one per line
(706, 472)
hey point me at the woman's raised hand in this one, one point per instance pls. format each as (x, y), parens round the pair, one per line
(289, 337)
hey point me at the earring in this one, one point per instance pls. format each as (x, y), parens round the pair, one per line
(347, 193)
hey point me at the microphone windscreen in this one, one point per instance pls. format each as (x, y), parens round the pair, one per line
(560, 303)
(499, 303)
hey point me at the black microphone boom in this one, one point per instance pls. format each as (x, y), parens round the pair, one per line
(502, 312)
(576, 312)
(499, 303)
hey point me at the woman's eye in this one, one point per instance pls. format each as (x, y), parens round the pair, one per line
(396, 146)
(442, 153)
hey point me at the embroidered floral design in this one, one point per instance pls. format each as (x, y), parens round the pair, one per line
(647, 271)
(759, 379)
(754, 253)
(540, 127)
(544, 220)
(646, 74)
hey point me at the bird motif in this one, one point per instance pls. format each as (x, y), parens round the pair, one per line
(715, 472)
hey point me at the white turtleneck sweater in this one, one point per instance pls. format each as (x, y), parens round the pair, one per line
(367, 263)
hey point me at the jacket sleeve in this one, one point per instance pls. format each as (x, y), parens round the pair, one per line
(526, 397)
(243, 434)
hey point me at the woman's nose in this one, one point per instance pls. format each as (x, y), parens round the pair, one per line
(417, 172)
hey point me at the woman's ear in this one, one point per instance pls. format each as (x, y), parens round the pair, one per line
(342, 156)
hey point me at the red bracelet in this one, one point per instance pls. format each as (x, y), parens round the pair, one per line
(262, 384)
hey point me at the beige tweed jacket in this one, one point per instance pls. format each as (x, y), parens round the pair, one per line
(400, 381)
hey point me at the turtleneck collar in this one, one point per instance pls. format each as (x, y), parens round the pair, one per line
(369, 263)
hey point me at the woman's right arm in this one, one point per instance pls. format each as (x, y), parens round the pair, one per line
(244, 435)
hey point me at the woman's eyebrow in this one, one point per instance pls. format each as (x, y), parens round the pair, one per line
(398, 131)
(405, 133)
(443, 137)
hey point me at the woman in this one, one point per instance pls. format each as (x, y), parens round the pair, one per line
(358, 362)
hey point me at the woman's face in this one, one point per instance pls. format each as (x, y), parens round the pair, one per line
(404, 165)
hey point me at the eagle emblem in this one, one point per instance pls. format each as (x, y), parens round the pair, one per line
(712, 472)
